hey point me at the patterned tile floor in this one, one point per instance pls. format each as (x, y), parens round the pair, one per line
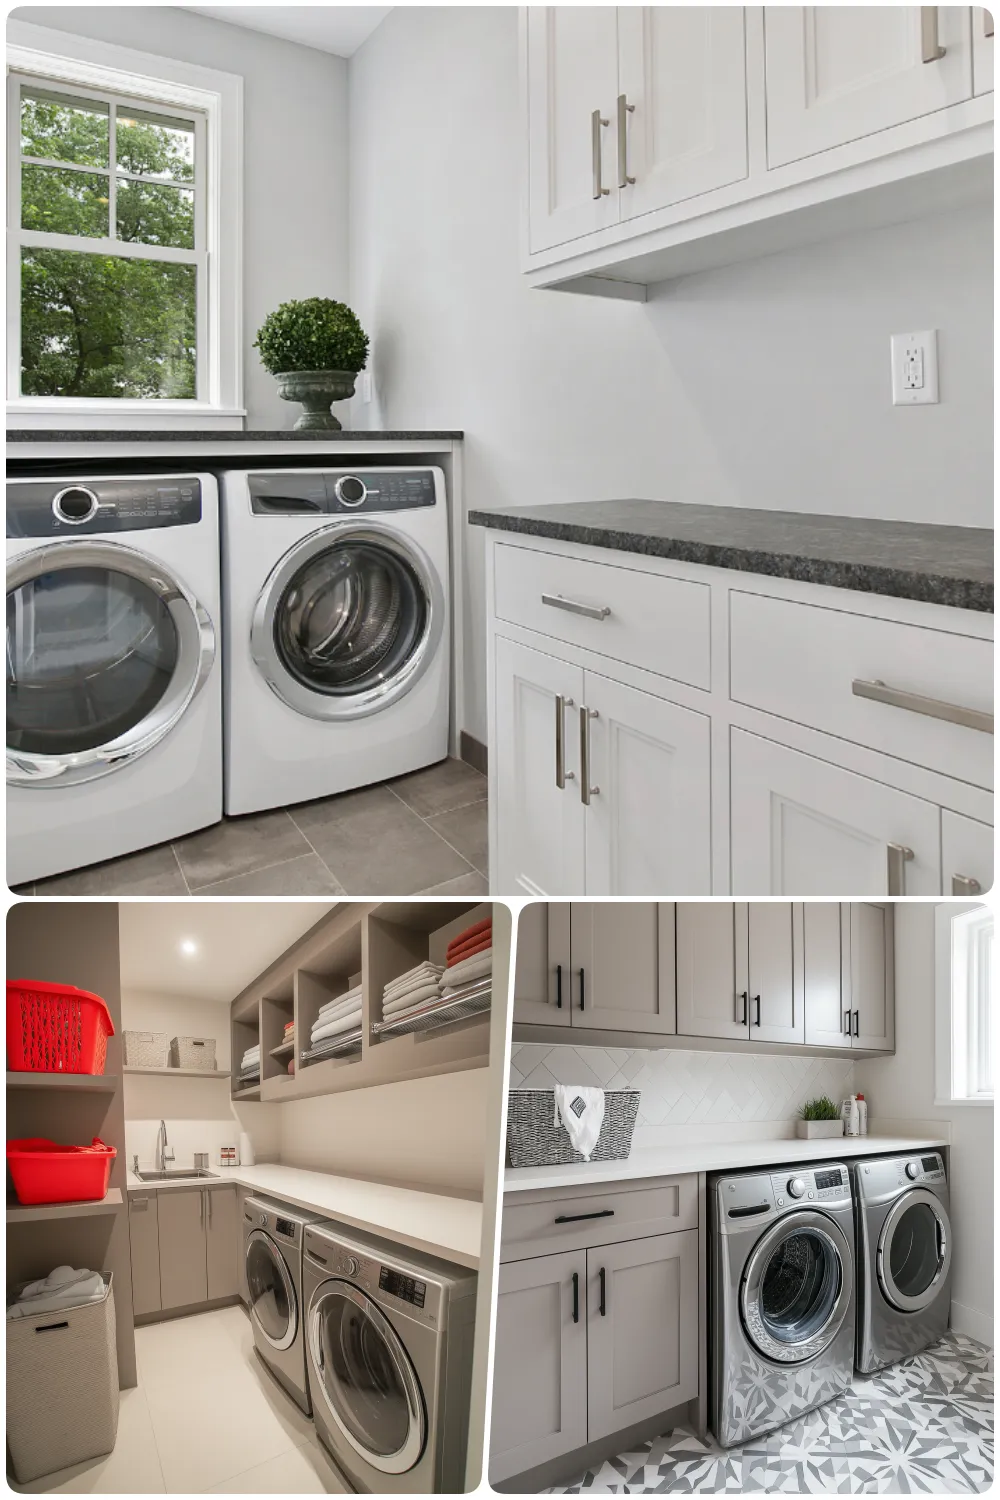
(923, 1426)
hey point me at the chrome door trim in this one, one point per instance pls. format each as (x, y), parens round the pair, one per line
(308, 701)
(255, 1237)
(883, 1270)
(824, 1228)
(196, 653)
(409, 1454)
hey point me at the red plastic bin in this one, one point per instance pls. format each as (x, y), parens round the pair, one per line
(44, 1172)
(55, 1028)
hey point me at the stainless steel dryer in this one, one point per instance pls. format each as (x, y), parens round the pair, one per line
(389, 1340)
(273, 1236)
(904, 1245)
(781, 1295)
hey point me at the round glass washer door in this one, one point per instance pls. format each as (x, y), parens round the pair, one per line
(105, 651)
(796, 1287)
(365, 1378)
(914, 1250)
(273, 1304)
(348, 621)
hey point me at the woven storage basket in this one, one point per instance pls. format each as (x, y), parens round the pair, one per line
(62, 1387)
(534, 1141)
(146, 1049)
(193, 1052)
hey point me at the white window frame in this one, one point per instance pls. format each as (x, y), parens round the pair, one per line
(215, 101)
(963, 947)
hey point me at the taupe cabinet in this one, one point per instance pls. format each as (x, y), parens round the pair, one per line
(143, 1228)
(848, 975)
(738, 971)
(185, 1247)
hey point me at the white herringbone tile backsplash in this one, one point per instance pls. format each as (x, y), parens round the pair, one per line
(688, 1089)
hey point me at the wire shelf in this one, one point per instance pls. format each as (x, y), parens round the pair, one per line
(470, 1002)
(349, 1042)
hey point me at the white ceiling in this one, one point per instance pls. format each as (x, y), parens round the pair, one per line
(234, 940)
(332, 28)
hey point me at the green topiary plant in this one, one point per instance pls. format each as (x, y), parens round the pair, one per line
(314, 334)
(820, 1109)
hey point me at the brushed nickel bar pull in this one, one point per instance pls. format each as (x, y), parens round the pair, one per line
(586, 790)
(201, 1204)
(987, 23)
(965, 885)
(933, 708)
(930, 48)
(596, 122)
(209, 1193)
(897, 856)
(562, 775)
(574, 607)
(624, 110)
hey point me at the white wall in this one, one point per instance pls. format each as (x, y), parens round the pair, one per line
(295, 158)
(901, 1088)
(765, 384)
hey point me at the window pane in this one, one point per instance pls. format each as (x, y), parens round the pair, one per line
(64, 129)
(64, 202)
(97, 325)
(155, 145)
(151, 214)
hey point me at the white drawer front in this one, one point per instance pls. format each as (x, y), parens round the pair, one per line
(800, 661)
(624, 613)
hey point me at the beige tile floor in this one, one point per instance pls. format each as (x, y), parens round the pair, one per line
(205, 1418)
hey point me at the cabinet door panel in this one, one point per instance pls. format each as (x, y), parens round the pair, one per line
(982, 50)
(872, 1001)
(649, 824)
(539, 1363)
(804, 827)
(144, 1237)
(707, 1000)
(542, 979)
(773, 981)
(642, 1353)
(572, 71)
(621, 976)
(824, 1000)
(683, 71)
(540, 827)
(183, 1274)
(966, 855)
(223, 1249)
(837, 73)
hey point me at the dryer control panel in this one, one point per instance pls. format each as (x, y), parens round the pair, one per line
(99, 507)
(332, 492)
(884, 1177)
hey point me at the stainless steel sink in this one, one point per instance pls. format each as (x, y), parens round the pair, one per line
(175, 1174)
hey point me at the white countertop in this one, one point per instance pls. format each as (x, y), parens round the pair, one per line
(448, 1227)
(672, 1161)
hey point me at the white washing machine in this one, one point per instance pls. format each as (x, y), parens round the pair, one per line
(114, 682)
(336, 630)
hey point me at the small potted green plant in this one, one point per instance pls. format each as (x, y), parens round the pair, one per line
(314, 349)
(819, 1118)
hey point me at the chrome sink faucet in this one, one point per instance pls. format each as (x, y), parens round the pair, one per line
(162, 1153)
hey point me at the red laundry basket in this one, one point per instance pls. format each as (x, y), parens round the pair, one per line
(44, 1172)
(55, 1028)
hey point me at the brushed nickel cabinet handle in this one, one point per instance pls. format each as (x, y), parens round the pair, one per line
(586, 790)
(896, 858)
(574, 607)
(596, 122)
(965, 885)
(932, 708)
(209, 1193)
(930, 48)
(201, 1206)
(624, 110)
(562, 775)
(987, 23)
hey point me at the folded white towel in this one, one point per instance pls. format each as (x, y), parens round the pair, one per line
(469, 968)
(340, 1006)
(474, 987)
(337, 1028)
(421, 973)
(581, 1111)
(412, 1001)
(63, 1288)
(252, 1054)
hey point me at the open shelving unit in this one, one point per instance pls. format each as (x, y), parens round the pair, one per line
(180, 1072)
(27, 1213)
(83, 1083)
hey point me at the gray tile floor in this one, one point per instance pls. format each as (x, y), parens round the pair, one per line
(922, 1426)
(422, 834)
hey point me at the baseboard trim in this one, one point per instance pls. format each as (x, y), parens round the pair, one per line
(972, 1323)
(474, 753)
(165, 1315)
(567, 1467)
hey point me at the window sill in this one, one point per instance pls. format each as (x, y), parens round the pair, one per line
(127, 416)
(983, 1103)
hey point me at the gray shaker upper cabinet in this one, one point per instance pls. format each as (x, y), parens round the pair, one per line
(623, 966)
(773, 969)
(737, 971)
(827, 1015)
(870, 976)
(542, 965)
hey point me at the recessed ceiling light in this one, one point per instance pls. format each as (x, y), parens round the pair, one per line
(189, 947)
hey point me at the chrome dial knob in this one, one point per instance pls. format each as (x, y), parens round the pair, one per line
(351, 1266)
(350, 490)
(912, 1169)
(75, 505)
(796, 1187)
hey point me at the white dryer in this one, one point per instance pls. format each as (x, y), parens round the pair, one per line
(114, 692)
(336, 630)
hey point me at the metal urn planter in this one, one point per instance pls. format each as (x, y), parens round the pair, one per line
(315, 391)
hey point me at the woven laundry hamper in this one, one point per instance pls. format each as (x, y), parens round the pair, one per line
(146, 1049)
(62, 1387)
(534, 1141)
(193, 1052)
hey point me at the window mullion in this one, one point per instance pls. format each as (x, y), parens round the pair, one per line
(113, 170)
(63, 166)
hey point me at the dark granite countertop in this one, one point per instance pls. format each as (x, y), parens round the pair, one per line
(47, 435)
(937, 564)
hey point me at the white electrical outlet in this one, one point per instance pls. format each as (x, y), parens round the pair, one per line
(366, 386)
(914, 368)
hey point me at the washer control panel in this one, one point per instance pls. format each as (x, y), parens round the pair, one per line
(100, 507)
(318, 492)
(805, 1185)
(406, 1288)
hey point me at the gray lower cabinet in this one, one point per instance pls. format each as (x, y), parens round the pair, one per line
(222, 1243)
(144, 1238)
(183, 1269)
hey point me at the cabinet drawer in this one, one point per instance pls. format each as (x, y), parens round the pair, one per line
(803, 661)
(661, 624)
(570, 1220)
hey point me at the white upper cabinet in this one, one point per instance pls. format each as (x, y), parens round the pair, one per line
(966, 855)
(836, 73)
(572, 61)
(982, 51)
(681, 115)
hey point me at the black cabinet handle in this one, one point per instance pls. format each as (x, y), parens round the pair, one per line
(576, 1296)
(857, 1027)
(602, 1213)
(847, 1022)
(603, 1280)
(745, 998)
(583, 995)
(558, 986)
(756, 1001)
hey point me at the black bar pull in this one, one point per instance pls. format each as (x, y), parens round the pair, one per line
(847, 1022)
(745, 997)
(51, 1327)
(756, 1001)
(576, 1296)
(857, 1020)
(583, 993)
(602, 1213)
(558, 986)
(603, 1280)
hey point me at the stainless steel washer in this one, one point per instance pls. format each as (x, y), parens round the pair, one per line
(273, 1235)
